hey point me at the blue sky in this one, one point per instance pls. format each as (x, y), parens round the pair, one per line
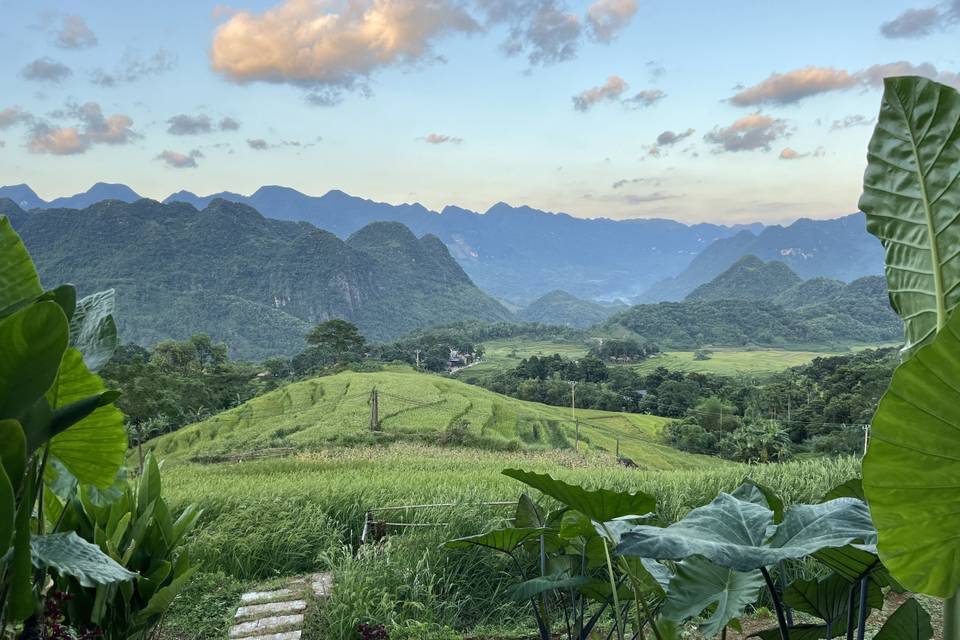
(763, 110)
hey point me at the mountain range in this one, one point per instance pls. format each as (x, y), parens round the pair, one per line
(563, 309)
(256, 283)
(767, 304)
(519, 254)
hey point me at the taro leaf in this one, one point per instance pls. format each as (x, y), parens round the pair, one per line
(755, 492)
(731, 533)
(32, 342)
(850, 562)
(909, 622)
(599, 589)
(505, 540)
(527, 514)
(93, 448)
(70, 555)
(849, 489)
(18, 277)
(92, 329)
(911, 196)
(600, 505)
(535, 586)
(699, 584)
(911, 473)
(827, 599)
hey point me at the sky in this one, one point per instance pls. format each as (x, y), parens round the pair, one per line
(727, 112)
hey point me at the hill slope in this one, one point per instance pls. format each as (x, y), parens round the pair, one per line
(563, 309)
(840, 249)
(750, 278)
(258, 284)
(322, 411)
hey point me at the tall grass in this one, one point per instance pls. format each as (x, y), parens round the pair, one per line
(305, 513)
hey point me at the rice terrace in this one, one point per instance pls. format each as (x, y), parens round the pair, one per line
(621, 339)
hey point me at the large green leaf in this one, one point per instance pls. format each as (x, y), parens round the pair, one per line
(92, 329)
(8, 512)
(70, 555)
(911, 473)
(600, 505)
(699, 584)
(827, 599)
(18, 277)
(733, 533)
(505, 540)
(541, 584)
(909, 622)
(13, 451)
(93, 448)
(32, 342)
(911, 196)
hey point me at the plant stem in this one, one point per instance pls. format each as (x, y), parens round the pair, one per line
(616, 597)
(862, 616)
(783, 589)
(777, 605)
(951, 617)
(850, 602)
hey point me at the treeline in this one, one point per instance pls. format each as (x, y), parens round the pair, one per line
(820, 407)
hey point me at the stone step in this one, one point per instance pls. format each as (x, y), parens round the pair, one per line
(273, 624)
(258, 597)
(286, 635)
(267, 609)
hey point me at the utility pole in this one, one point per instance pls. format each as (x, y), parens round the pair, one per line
(866, 437)
(618, 448)
(374, 411)
(573, 410)
(417, 352)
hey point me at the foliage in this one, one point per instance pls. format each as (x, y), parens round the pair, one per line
(338, 337)
(911, 198)
(749, 278)
(138, 531)
(563, 309)
(53, 409)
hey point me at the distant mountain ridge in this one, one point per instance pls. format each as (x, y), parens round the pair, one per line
(514, 253)
(519, 254)
(767, 304)
(840, 249)
(256, 283)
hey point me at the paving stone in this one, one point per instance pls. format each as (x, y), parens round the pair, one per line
(257, 597)
(321, 583)
(270, 609)
(265, 625)
(286, 635)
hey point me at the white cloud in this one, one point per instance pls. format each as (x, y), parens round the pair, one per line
(607, 18)
(93, 128)
(177, 160)
(755, 131)
(439, 138)
(610, 90)
(75, 34)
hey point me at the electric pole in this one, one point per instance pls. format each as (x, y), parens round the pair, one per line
(374, 411)
(417, 352)
(573, 411)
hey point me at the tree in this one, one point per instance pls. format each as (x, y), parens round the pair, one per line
(339, 337)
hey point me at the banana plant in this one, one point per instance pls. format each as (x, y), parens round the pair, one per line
(53, 408)
(911, 473)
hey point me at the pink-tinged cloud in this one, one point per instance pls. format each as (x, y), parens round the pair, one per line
(439, 138)
(755, 131)
(607, 18)
(94, 128)
(874, 75)
(793, 86)
(75, 34)
(59, 141)
(12, 116)
(610, 90)
(309, 43)
(177, 160)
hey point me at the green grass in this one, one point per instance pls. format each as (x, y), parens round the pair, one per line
(730, 362)
(415, 406)
(500, 355)
(304, 513)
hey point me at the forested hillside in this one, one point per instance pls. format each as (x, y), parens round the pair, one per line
(563, 309)
(750, 278)
(840, 249)
(255, 283)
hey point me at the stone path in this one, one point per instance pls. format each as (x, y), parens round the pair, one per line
(278, 614)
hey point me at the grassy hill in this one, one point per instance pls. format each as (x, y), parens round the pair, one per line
(335, 410)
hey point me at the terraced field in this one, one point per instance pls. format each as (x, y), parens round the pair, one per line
(334, 410)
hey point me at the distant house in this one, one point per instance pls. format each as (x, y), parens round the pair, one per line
(459, 360)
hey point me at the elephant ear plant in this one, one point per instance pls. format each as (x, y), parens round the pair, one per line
(911, 473)
(58, 428)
